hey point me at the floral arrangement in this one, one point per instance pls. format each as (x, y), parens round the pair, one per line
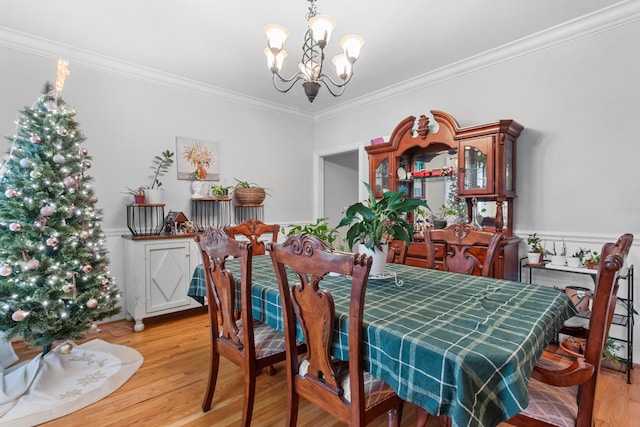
(200, 157)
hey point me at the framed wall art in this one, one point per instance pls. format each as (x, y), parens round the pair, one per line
(197, 159)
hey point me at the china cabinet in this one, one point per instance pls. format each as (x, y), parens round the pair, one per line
(421, 153)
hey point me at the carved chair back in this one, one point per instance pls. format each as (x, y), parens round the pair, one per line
(253, 229)
(318, 377)
(469, 250)
(249, 344)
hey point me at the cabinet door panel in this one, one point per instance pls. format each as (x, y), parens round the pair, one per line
(168, 274)
(477, 171)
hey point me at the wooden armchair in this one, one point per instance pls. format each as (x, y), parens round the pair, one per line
(470, 250)
(564, 396)
(342, 388)
(247, 343)
(579, 326)
(252, 229)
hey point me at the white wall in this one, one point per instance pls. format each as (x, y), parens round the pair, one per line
(578, 169)
(128, 121)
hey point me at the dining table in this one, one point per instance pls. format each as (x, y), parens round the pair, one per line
(456, 345)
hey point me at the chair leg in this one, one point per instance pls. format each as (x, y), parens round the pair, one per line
(394, 416)
(422, 417)
(249, 396)
(211, 383)
(292, 409)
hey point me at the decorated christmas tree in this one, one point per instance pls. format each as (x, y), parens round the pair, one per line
(54, 277)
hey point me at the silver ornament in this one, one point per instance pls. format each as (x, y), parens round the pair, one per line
(58, 158)
(35, 174)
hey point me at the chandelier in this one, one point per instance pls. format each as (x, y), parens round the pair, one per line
(311, 68)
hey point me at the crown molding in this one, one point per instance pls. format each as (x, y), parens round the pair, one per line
(585, 26)
(603, 20)
(34, 45)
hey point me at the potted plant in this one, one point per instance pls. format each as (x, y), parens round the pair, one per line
(320, 229)
(372, 222)
(536, 251)
(159, 166)
(137, 193)
(248, 193)
(220, 191)
(576, 259)
(591, 259)
(559, 257)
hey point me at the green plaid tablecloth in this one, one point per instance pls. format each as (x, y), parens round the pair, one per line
(462, 346)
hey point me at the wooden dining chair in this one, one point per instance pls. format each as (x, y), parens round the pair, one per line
(579, 326)
(564, 396)
(469, 250)
(253, 229)
(248, 343)
(341, 388)
(397, 253)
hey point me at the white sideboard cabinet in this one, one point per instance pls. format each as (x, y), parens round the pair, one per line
(158, 272)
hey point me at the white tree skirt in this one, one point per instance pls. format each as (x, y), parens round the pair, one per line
(57, 384)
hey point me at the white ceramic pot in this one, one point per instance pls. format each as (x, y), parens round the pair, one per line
(379, 261)
(573, 261)
(154, 196)
(534, 257)
(558, 259)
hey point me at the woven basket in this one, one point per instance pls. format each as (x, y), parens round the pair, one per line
(249, 196)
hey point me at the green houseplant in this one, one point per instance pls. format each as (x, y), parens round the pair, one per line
(320, 229)
(160, 166)
(372, 222)
(536, 251)
(219, 191)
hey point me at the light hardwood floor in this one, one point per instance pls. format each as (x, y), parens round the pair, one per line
(168, 388)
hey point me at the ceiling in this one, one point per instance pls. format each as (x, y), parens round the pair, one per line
(219, 43)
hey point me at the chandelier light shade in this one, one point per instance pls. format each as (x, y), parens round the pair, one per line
(310, 69)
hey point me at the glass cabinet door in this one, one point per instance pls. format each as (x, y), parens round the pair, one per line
(382, 178)
(476, 173)
(508, 161)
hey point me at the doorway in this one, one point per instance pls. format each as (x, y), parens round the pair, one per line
(338, 178)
